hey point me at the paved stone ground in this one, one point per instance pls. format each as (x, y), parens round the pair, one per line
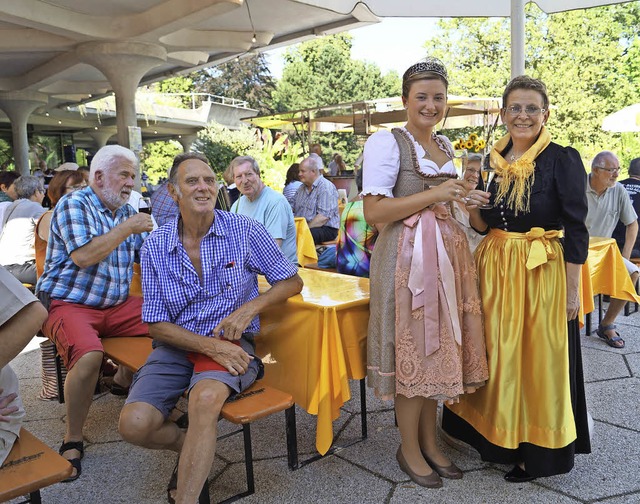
(116, 472)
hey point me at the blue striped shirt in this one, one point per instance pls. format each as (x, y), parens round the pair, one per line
(232, 253)
(321, 199)
(77, 219)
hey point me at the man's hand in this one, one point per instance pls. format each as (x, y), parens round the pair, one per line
(232, 327)
(5, 409)
(229, 355)
(140, 223)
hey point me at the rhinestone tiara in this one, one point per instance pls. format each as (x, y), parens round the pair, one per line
(429, 64)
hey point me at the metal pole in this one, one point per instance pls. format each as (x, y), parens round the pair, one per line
(517, 37)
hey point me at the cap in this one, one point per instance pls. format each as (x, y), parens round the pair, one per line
(67, 166)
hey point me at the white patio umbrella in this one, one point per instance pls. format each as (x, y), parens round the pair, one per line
(465, 8)
(623, 121)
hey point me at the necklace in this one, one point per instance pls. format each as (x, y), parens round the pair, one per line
(513, 157)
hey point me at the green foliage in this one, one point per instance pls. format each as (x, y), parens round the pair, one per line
(247, 79)
(179, 84)
(157, 158)
(589, 60)
(322, 72)
(221, 145)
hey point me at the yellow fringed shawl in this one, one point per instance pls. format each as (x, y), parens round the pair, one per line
(517, 178)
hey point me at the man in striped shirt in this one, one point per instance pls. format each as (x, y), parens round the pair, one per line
(88, 269)
(201, 301)
(317, 201)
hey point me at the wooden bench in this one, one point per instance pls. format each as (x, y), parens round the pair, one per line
(258, 401)
(30, 466)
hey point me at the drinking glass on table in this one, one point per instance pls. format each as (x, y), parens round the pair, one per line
(144, 206)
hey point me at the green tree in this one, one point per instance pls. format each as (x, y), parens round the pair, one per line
(157, 158)
(247, 79)
(322, 72)
(587, 58)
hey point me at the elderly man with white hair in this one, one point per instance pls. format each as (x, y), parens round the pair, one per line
(317, 201)
(17, 229)
(88, 269)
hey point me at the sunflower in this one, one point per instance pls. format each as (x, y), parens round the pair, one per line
(456, 145)
(468, 145)
(473, 137)
(481, 144)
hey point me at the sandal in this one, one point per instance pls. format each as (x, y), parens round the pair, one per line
(75, 462)
(203, 498)
(173, 483)
(613, 341)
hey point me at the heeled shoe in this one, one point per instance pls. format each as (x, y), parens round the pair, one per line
(451, 471)
(518, 475)
(431, 481)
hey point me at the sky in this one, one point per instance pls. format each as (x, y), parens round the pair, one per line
(392, 44)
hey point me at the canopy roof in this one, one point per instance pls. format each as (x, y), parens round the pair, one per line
(624, 121)
(363, 117)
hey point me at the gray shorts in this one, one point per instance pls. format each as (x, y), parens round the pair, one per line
(168, 373)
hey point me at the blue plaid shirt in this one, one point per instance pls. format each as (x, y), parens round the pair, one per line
(163, 208)
(321, 199)
(232, 253)
(77, 219)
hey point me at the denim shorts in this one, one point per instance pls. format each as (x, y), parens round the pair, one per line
(168, 373)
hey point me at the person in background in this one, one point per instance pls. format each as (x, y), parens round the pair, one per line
(7, 192)
(268, 207)
(17, 239)
(291, 183)
(317, 201)
(21, 316)
(233, 193)
(632, 185)
(425, 340)
(460, 213)
(63, 182)
(93, 239)
(532, 411)
(84, 171)
(608, 203)
(336, 166)
(356, 238)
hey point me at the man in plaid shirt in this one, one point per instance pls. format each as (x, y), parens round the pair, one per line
(201, 301)
(87, 273)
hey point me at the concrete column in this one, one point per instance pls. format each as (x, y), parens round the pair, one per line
(187, 141)
(102, 136)
(18, 105)
(124, 64)
(517, 37)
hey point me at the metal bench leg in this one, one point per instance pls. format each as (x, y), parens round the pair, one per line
(587, 324)
(599, 309)
(59, 378)
(248, 458)
(292, 437)
(34, 497)
(363, 408)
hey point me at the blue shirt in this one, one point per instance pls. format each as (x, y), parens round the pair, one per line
(77, 219)
(321, 199)
(163, 208)
(272, 210)
(232, 253)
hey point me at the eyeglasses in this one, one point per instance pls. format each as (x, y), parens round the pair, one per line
(75, 187)
(530, 110)
(610, 170)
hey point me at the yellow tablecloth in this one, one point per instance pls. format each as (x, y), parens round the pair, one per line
(604, 273)
(314, 343)
(304, 241)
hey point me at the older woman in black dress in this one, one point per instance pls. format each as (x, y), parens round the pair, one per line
(532, 411)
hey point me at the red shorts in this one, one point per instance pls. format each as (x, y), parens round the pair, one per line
(76, 329)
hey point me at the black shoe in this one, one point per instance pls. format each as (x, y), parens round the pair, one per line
(518, 475)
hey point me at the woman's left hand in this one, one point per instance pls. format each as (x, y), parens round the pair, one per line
(573, 304)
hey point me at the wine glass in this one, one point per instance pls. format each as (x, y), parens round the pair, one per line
(459, 160)
(487, 176)
(144, 206)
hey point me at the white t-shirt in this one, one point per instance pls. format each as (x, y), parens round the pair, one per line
(382, 163)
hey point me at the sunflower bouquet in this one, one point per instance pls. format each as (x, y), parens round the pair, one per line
(471, 143)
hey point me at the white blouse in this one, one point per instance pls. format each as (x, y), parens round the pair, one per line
(382, 163)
